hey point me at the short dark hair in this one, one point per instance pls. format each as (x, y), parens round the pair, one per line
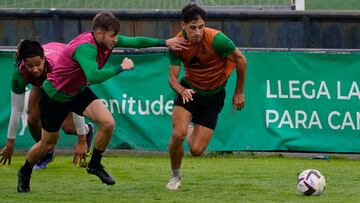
(27, 49)
(191, 12)
(106, 21)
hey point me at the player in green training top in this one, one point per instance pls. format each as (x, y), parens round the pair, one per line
(84, 61)
(209, 60)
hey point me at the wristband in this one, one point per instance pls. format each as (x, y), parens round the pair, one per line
(182, 91)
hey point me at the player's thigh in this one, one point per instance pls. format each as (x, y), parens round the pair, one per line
(89, 105)
(180, 119)
(52, 113)
(208, 109)
(98, 112)
(49, 139)
(33, 103)
(68, 120)
(201, 137)
(68, 124)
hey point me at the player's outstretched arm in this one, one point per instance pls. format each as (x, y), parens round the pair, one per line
(238, 98)
(175, 43)
(17, 107)
(86, 55)
(80, 151)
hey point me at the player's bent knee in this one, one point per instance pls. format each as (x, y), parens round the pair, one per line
(108, 125)
(67, 130)
(47, 147)
(33, 122)
(196, 151)
(178, 136)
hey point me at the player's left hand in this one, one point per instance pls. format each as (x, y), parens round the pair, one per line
(238, 101)
(80, 154)
(6, 153)
(177, 43)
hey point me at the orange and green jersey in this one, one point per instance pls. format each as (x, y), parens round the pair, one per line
(206, 65)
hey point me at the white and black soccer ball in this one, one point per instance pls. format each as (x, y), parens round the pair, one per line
(310, 182)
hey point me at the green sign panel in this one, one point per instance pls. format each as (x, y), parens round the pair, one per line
(294, 101)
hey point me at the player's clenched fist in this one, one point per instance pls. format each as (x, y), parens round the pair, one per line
(127, 64)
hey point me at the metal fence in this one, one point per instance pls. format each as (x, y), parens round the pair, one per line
(271, 29)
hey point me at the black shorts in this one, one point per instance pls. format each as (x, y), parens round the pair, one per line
(204, 108)
(53, 113)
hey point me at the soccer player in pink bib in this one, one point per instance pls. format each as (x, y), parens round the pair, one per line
(81, 63)
(33, 63)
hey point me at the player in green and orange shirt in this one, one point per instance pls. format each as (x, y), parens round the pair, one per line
(209, 60)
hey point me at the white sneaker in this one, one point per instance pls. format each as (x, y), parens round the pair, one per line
(174, 183)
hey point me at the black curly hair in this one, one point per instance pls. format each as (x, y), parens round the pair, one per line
(27, 49)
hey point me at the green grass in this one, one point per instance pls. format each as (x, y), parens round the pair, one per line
(206, 179)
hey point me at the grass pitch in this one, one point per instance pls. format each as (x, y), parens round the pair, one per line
(232, 178)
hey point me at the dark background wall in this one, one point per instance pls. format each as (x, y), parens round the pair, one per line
(268, 29)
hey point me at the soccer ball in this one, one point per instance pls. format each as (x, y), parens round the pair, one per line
(310, 182)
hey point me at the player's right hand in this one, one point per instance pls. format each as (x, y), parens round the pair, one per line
(127, 64)
(186, 95)
(80, 154)
(6, 153)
